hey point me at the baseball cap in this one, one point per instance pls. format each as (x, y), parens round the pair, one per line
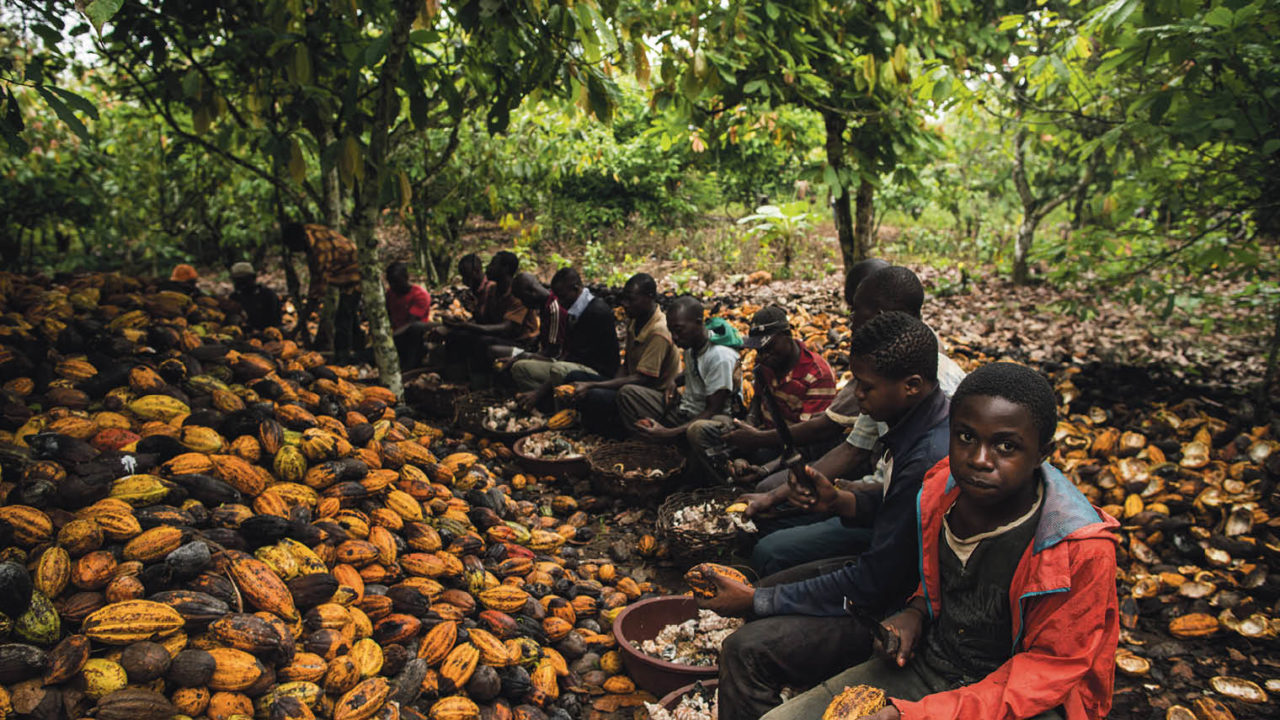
(767, 322)
(242, 269)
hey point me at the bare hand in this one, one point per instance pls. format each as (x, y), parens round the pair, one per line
(820, 498)
(888, 712)
(527, 399)
(503, 363)
(756, 503)
(581, 388)
(652, 430)
(744, 436)
(670, 395)
(732, 598)
(907, 626)
(749, 475)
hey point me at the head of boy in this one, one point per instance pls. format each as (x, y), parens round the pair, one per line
(891, 289)
(1003, 417)
(243, 276)
(894, 360)
(857, 274)
(503, 267)
(471, 270)
(294, 235)
(770, 335)
(684, 320)
(567, 285)
(529, 290)
(398, 277)
(639, 296)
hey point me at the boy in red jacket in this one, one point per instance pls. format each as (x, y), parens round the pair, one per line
(1016, 614)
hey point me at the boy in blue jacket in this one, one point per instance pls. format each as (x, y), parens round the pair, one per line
(800, 631)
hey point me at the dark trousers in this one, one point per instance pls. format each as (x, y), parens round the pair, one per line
(599, 407)
(346, 324)
(409, 345)
(796, 651)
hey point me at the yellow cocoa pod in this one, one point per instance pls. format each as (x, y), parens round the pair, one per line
(855, 702)
(131, 621)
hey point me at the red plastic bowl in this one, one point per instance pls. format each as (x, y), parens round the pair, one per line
(643, 621)
(672, 699)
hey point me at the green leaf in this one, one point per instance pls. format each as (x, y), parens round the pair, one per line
(1270, 147)
(832, 181)
(77, 102)
(100, 11)
(64, 113)
(375, 50)
(50, 36)
(598, 97)
(1220, 17)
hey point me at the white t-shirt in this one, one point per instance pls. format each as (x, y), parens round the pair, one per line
(713, 370)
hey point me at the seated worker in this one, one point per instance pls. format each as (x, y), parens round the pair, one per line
(1016, 615)
(700, 414)
(590, 345)
(651, 359)
(477, 285)
(409, 308)
(829, 426)
(800, 379)
(551, 315)
(333, 287)
(894, 359)
(801, 538)
(257, 304)
(503, 320)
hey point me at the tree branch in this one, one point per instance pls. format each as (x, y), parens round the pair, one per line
(163, 111)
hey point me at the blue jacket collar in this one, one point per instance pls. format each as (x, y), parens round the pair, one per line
(1065, 511)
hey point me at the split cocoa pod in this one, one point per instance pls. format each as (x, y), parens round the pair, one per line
(855, 702)
(701, 578)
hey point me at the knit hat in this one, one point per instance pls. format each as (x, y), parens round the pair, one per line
(242, 269)
(183, 273)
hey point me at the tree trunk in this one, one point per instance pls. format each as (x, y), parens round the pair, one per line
(1022, 246)
(330, 185)
(835, 125)
(365, 216)
(1262, 406)
(864, 227)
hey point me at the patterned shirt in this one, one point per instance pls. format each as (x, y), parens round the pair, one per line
(805, 391)
(331, 258)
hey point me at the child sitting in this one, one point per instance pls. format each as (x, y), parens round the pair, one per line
(802, 633)
(1016, 614)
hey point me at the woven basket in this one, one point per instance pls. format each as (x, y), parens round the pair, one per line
(471, 412)
(440, 403)
(634, 455)
(689, 545)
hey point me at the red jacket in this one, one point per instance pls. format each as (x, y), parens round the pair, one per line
(1065, 612)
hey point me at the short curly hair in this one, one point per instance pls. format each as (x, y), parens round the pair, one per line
(1019, 385)
(899, 345)
(893, 288)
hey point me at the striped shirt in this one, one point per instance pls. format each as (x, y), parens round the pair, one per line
(806, 390)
